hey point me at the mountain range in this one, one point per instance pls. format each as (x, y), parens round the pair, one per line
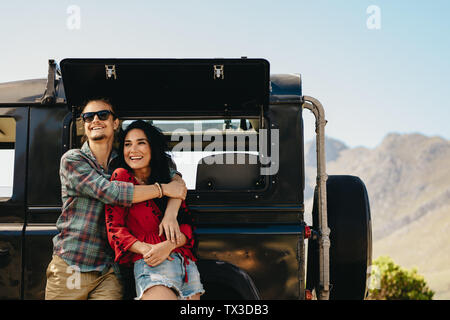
(407, 177)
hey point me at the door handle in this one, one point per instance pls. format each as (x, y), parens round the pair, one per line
(4, 252)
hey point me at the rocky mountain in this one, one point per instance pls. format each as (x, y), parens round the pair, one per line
(407, 178)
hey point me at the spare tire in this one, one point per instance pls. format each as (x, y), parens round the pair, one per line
(348, 213)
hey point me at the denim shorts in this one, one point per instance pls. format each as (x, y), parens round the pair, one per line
(170, 274)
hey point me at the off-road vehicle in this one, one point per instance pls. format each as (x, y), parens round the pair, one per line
(237, 137)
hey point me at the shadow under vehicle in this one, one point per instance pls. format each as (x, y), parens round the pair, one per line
(236, 134)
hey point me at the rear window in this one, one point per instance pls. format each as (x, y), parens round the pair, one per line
(219, 154)
(216, 154)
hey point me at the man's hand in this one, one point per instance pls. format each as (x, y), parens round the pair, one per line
(169, 226)
(175, 189)
(159, 253)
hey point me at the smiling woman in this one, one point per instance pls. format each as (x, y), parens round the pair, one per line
(137, 153)
(161, 268)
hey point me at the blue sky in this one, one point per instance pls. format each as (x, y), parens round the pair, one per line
(371, 82)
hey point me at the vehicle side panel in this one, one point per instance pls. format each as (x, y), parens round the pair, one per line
(44, 194)
(38, 248)
(12, 211)
(45, 151)
(268, 255)
(289, 181)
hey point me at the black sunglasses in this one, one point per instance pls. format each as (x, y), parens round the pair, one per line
(102, 115)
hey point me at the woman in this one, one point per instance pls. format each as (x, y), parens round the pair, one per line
(162, 269)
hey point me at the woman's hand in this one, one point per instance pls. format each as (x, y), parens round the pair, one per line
(159, 253)
(140, 247)
(169, 226)
(175, 189)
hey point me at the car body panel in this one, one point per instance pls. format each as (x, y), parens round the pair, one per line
(12, 210)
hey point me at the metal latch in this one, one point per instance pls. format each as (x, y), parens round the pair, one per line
(218, 71)
(110, 71)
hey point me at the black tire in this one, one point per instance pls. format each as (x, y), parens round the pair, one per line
(349, 220)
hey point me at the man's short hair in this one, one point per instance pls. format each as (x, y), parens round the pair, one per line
(99, 99)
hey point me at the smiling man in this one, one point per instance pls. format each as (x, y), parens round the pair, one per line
(83, 265)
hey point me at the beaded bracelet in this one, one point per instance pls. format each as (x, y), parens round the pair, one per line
(160, 190)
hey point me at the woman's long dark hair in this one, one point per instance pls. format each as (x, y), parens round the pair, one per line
(160, 161)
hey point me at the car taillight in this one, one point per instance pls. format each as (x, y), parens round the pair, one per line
(307, 232)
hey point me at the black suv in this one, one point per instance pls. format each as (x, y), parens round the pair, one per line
(236, 134)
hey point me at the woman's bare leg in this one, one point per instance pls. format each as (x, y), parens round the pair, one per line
(194, 297)
(159, 293)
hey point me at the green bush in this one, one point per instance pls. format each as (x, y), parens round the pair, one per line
(389, 281)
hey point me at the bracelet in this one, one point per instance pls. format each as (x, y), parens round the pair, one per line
(160, 190)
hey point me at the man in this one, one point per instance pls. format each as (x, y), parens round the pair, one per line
(83, 265)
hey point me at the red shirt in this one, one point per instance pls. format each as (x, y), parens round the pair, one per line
(126, 225)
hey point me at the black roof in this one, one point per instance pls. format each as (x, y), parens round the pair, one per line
(284, 88)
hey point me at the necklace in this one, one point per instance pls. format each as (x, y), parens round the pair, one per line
(140, 181)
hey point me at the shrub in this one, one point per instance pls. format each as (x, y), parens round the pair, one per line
(391, 282)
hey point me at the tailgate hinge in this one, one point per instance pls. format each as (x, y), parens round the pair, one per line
(110, 70)
(218, 71)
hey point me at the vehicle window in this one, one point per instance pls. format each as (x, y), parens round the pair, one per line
(219, 154)
(7, 144)
(211, 154)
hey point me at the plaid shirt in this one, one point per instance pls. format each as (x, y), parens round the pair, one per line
(85, 189)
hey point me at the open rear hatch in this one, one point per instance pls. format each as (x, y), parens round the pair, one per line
(177, 87)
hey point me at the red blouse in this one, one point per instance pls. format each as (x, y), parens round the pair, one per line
(126, 225)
